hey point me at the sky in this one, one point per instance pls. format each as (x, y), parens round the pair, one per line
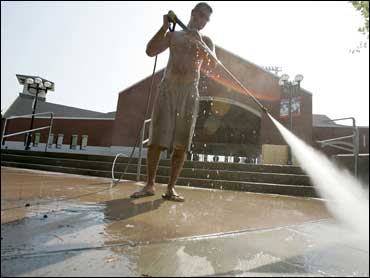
(94, 50)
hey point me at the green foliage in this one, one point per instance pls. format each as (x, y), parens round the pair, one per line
(363, 7)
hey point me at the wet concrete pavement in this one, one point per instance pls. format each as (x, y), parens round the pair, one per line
(66, 225)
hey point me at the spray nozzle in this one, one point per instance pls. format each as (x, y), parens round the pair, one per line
(172, 16)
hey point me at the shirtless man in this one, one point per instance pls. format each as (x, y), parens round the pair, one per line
(176, 106)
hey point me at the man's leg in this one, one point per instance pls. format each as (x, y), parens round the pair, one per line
(177, 162)
(154, 152)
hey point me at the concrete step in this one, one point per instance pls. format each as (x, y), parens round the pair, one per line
(165, 162)
(257, 187)
(198, 173)
(282, 189)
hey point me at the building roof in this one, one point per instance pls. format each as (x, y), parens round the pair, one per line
(236, 63)
(23, 106)
(319, 120)
(224, 52)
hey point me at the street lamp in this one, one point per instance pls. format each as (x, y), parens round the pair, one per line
(290, 86)
(39, 86)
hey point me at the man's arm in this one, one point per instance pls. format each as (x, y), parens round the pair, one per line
(161, 40)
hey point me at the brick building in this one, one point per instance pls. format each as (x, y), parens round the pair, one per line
(229, 122)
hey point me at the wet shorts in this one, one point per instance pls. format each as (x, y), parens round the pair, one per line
(174, 115)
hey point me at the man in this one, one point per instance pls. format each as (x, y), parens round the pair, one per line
(176, 106)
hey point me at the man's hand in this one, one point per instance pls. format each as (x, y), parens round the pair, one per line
(210, 52)
(166, 22)
(195, 36)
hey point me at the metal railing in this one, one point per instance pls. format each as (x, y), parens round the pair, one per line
(346, 146)
(142, 143)
(3, 136)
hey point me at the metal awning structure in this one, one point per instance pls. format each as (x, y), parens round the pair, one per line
(343, 145)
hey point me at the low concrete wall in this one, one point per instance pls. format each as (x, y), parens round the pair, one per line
(274, 154)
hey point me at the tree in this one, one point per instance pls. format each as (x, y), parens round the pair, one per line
(363, 7)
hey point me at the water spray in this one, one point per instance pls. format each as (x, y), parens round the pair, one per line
(345, 196)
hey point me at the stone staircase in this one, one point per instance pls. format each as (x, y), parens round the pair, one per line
(272, 179)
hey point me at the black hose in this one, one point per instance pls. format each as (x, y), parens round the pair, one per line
(145, 116)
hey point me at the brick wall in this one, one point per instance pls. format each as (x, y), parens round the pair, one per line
(99, 131)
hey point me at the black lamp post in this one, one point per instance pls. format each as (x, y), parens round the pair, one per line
(290, 86)
(39, 86)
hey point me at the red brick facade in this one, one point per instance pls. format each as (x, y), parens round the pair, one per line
(99, 131)
(132, 105)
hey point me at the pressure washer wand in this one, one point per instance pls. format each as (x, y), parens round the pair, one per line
(174, 19)
(264, 109)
